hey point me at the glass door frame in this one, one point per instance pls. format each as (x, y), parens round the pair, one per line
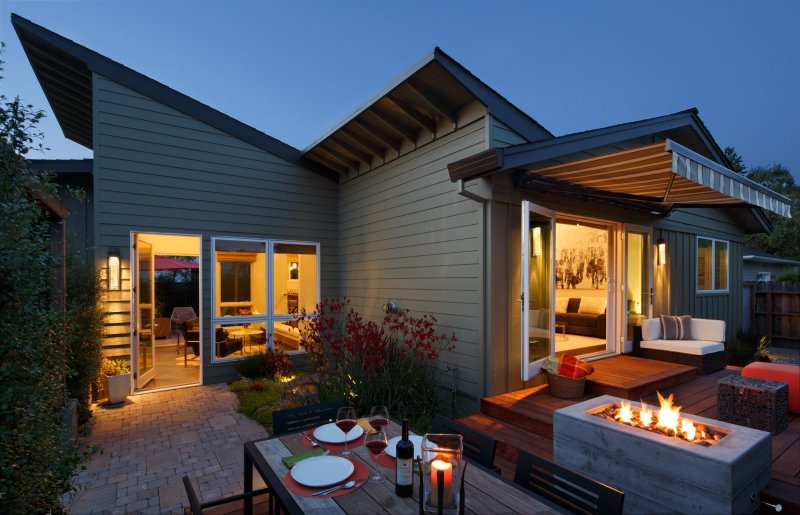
(140, 380)
(532, 369)
(651, 269)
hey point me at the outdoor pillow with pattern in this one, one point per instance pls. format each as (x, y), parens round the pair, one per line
(676, 327)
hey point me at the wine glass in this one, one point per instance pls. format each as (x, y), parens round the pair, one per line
(376, 444)
(346, 421)
(379, 418)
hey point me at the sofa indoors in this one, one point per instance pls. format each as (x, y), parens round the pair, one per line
(704, 351)
(585, 316)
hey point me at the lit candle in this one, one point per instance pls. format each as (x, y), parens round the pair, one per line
(447, 475)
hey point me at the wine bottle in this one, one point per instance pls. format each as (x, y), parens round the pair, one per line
(404, 469)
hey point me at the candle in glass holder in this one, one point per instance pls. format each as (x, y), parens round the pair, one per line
(447, 480)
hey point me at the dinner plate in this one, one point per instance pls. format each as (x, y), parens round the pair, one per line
(329, 433)
(391, 446)
(322, 471)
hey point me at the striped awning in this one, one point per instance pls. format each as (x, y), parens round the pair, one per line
(666, 173)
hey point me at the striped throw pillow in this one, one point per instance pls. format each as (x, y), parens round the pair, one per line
(676, 327)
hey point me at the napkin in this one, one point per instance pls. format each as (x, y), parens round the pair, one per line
(291, 461)
(364, 423)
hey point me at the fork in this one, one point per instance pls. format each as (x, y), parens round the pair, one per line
(314, 442)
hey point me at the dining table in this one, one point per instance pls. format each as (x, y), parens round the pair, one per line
(487, 492)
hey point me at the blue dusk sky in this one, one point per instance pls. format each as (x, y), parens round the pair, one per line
(294, 69)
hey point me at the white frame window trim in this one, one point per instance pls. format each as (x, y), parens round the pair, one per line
(270, 317)
(713, 278)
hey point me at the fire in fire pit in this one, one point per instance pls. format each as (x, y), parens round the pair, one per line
(666, 420)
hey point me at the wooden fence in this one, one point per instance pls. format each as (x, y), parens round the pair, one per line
(775, 312)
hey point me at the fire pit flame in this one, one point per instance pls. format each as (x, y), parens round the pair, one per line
(667, 420)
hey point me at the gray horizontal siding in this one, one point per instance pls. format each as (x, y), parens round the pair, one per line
(158, 170)
(501, 135)
(407, 236)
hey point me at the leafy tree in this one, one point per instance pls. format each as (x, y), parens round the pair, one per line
(785, 238)
(737, 163)
(35, 463)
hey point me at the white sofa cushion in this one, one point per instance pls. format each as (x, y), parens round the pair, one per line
(694, 347)
(702, 329)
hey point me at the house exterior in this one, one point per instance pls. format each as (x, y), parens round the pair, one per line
(437, 194)
(762, 266)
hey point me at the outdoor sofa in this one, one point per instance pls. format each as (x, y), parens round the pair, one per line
(704, 351)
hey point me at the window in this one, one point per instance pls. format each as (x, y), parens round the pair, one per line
(259, 287)
(712, 265)
(764, 277)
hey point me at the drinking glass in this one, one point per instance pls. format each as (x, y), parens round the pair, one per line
(376, 444)
(346, 421)
(379, 418)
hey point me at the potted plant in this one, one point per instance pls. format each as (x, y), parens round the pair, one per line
(118, 379)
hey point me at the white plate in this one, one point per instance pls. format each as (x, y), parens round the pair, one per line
(322, 471)
(329, 433)
(391, 446)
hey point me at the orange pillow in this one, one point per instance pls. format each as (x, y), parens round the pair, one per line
(570, 366)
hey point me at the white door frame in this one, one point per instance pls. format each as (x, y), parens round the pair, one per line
(136, 323)
(134, 308)
(530, 370)
(622, 304)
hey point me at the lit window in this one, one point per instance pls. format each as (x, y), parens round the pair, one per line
(712, 265)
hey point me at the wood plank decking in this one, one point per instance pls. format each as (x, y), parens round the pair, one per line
(523, 420)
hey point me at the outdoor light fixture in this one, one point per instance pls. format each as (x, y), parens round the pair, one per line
(113, 269)
(537, 242)
(662, 251)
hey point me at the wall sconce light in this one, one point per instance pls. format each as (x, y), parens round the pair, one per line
(537, 242)
(294, 271)
(392, 307)
(114, 269)
(662, 251)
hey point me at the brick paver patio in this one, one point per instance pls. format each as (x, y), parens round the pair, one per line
(151, 442)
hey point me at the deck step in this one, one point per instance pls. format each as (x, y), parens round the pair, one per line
(510, 439)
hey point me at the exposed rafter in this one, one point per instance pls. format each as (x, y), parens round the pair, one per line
(386, 120)
(364, 157)
(420, 119)
(342, 160)
(333, 165)
(433, 102)
(378, 134)
(366, 143)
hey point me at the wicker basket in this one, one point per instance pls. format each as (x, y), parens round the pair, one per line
(566, 387)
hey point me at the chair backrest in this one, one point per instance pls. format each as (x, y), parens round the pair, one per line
(182, 313)
(194, 502)
(304, 417)
(569, 489)
(190, 334)
(477, 446)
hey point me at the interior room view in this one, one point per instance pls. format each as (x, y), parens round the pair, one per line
(261, 301)
(168, 294)
(581, 286)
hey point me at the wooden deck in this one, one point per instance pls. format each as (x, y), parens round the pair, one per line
(523, 420)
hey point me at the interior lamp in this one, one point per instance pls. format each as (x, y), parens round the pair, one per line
(114, 269)
(662, 251)
(537, 242)
(294, 271)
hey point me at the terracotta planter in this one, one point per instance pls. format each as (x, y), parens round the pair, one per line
(118, 388)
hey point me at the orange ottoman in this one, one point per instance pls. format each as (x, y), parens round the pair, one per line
(789, 374)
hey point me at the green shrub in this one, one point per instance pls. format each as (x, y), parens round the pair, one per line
(83, 331)
(789, 276)
(259, 399)
(268, 365)
(35, 464)
(746, 348)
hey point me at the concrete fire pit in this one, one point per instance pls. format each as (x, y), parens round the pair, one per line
(663, 474)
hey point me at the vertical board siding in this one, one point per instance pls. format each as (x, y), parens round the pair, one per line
(407, 236)
(681, 297)
(158, 170)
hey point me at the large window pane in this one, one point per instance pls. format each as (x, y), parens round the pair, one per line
(720, 265)
(704, 264)
(241, 277)
(295, 276)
